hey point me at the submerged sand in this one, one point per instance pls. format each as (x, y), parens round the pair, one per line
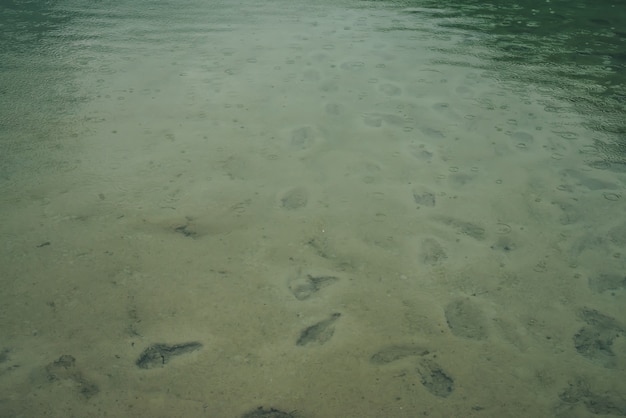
(348, 222)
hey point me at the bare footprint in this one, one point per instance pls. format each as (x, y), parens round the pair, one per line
(320, 332)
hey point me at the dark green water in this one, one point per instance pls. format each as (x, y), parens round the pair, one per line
(575, 50)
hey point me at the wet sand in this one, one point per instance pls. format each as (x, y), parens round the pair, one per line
(341, 222)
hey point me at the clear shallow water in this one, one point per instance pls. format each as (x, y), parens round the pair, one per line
(365, 209)
(574, 51)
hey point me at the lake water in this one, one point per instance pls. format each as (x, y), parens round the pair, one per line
(286, 209)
